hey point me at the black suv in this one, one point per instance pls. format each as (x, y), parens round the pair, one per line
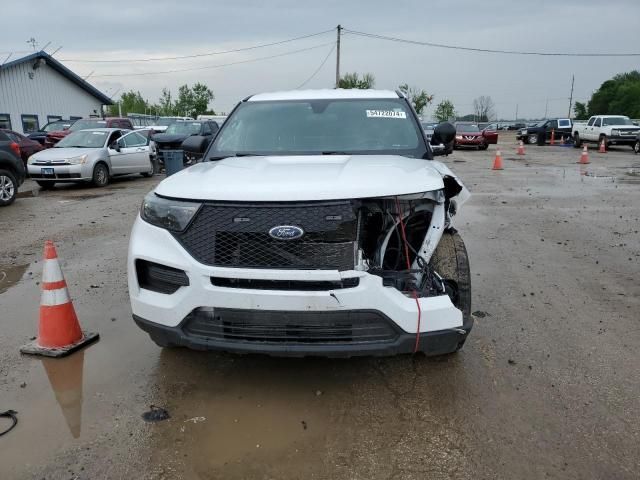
(194, 136)
(12, 171)
(540, 133)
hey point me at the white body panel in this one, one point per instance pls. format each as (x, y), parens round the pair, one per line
(438, 313)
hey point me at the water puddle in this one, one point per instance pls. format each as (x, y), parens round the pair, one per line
(10, 276)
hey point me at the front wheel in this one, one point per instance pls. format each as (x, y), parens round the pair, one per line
(8, 188)
(577, 143)
(484, 146)
(100, 175)
(636, 147)
(451, 262)
(532, 139)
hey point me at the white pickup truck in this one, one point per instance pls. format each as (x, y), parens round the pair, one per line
(612, 129)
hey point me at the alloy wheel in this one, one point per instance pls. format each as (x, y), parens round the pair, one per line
(7, 188)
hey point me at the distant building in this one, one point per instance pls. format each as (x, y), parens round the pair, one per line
(38, 89)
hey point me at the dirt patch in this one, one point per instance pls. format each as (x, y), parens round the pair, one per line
(9, 276)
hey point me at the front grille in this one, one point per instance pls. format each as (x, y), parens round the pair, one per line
(293, 328)
(237, 235)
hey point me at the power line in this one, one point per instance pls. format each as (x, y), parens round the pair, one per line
(182, 57)
(318, 69)
(292, 52)
(487, 50)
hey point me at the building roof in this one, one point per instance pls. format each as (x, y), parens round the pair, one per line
(62, 70)
(325, 94)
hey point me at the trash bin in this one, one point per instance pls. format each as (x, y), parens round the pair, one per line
(173, 161)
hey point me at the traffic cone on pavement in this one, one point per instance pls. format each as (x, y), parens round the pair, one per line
(553, 137)
(497, 162)
(521, 148)
(584, 158)
(603, 147)
(59, 332)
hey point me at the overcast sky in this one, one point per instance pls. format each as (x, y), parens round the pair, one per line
(92, 30)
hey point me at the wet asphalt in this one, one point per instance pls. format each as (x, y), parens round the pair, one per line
(547, 385)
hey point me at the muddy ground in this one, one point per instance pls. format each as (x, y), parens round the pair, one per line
(547, 385)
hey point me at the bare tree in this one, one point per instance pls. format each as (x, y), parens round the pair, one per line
(484, 108)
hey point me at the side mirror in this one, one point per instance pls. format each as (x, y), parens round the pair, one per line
(444, 133)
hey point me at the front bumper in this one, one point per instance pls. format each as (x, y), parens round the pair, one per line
(622, 140)
(62, 173)
(163, 315)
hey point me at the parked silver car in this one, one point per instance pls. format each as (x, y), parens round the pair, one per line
(93, 155)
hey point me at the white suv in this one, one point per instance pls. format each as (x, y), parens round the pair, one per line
(318, 224)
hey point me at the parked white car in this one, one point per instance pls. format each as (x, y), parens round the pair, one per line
(93, 156)
(612, 129)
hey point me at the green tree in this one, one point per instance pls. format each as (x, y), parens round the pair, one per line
(353, 80)
(619, 95)
(202, 96)
(130, 102)
(580, 111)
(165, 106)
(420, 99)
(445, 111)
(193, 101)
(184, 102)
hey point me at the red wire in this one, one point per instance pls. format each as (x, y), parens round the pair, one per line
(406, 256)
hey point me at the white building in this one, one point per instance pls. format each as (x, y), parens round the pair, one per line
(38, 89)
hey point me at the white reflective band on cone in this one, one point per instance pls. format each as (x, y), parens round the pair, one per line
(51, 298)
(52, 271)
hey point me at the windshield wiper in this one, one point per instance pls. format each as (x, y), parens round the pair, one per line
(222, 157)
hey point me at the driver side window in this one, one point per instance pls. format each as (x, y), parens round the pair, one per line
(598, 122)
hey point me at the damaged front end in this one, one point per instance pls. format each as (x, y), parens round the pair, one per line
(397, 236)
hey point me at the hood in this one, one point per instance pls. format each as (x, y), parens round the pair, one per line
(53, 154)
(303, 178)
(169, 138)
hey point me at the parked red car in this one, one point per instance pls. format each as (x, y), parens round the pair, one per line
(27, 146)
(85, 123)
(469, 135)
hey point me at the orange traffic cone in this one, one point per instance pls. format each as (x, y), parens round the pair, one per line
(553, 137)
(497, 162)
(59, 331)
(603, 147)
(584, 158)
(521, 148)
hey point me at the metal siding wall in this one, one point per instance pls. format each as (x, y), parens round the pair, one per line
(48, 93)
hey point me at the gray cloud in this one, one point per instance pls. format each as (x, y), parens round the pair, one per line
(164, 28)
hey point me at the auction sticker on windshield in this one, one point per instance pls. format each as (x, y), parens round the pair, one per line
(386, 114)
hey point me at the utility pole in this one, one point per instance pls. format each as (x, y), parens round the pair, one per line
(338, 29)
(571, 96)
(546, 109)
(516, 119)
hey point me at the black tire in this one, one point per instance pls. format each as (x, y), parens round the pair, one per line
(8, 188)
(46, 185)
(532, 139)
(451, 262)
(484, 146)
(100, 175)
(577, 143)
(636, 147)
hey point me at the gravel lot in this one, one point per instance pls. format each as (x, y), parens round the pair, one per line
(547, 385)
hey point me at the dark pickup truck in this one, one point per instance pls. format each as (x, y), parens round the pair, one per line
(540, 133)
(12, 171)
(191, 136)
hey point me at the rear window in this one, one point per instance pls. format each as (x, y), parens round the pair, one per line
(85, 124)
(564, 123)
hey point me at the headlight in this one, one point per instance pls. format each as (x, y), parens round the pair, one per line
(523, 131)
(458, 137)
(615, 132)
(173, 215)
(78, 160)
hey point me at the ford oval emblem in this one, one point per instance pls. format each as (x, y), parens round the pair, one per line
(286, 232)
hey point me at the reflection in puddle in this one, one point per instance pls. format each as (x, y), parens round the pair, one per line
(9, 276)
(65, 378)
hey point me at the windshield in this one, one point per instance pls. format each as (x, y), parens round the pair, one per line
(328, 126)
(608, 121)
(84, 124)
(184, 128)
(54, 126)
(85, 139)
(467, 128)
(165, 122)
